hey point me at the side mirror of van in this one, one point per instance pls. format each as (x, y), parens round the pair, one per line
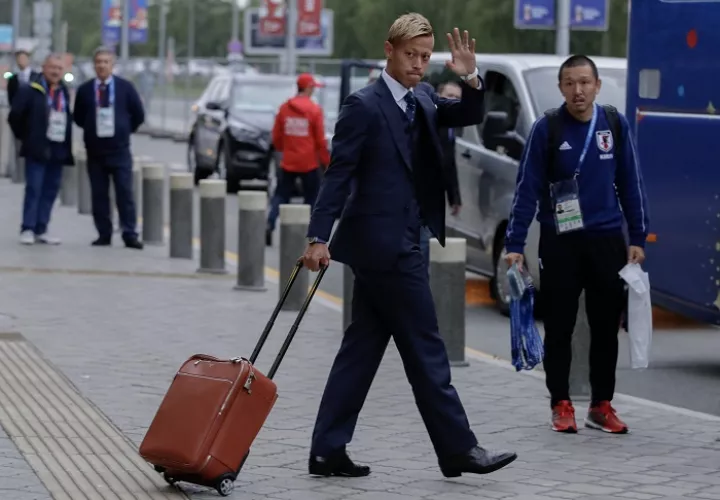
(497, 124)
(499, 135)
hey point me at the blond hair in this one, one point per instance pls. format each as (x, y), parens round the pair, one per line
(408, 26)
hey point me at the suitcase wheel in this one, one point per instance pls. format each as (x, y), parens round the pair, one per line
(169, 479)
(225, 485)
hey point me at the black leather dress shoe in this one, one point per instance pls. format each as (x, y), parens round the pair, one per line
(102, 242)
(476, 461)
(338, 465)
(136, 244)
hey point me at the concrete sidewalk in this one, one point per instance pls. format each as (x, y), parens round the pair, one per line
(90, 339)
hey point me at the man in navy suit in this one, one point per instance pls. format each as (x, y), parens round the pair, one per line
(386, 154)
(109, 110)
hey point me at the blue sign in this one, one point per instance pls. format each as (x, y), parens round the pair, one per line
(6, 37)
(259, 44)
(138, 25)
(234, 47)
(535, 14)
(589, 15)
(112, 18)
(112, 11)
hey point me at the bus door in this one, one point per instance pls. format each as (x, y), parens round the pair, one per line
(673, 99)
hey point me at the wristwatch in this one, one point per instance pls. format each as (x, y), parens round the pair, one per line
(470, 76)
(315, 239)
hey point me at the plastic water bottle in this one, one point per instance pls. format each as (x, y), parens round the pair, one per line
(518, 280)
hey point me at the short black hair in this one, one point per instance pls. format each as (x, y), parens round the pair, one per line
(576, 61)
(20, 52)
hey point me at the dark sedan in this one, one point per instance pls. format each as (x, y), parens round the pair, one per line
(231, 136)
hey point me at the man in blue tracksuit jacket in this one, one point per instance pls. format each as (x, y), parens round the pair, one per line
(40, 119)
(586, 179)
(109, 110)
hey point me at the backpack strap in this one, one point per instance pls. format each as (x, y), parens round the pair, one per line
(554, 135)
(613, 118)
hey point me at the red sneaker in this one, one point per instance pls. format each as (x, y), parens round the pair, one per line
(563, 418)
(602, 417)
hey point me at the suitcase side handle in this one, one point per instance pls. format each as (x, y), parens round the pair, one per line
(294, 328)
(286, 291)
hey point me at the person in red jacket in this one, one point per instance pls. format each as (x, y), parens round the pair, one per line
(299, 134)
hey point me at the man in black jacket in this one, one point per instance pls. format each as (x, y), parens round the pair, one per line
(40, 118)
(448, 90)
(109, 110)
(25, 74)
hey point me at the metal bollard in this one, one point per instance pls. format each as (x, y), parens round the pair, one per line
(84, 201)
(447, 281)
(4, 129)
(138, 162)
(294, 220)
(181, 216)
(252, 213)
(113, 206)
(153, 203)
(212, 226)
(69, 186)
(18, 171)
(348, 285)
(580, 365)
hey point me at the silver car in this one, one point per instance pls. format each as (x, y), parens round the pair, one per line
(519, 89)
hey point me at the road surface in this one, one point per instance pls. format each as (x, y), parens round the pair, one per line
(685, 359)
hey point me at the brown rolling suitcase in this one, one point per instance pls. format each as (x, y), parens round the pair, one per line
(213, 410)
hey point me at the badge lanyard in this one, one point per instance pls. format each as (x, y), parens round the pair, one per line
(50, 97)
(588, 138)
(111, 96)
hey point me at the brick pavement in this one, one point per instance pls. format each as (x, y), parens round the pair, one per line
(120, 339)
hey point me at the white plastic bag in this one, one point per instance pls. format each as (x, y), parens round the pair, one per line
(639, 318)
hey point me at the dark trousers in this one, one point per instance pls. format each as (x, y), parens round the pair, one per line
(285, 187)
(569, 264)
(100, 172)
(42, 184)
(425, 236)
(397, 304)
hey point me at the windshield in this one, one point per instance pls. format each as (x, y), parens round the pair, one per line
(543, 86)
(329, 98)
(261, 96)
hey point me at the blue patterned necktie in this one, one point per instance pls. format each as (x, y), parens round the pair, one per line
(411, 104)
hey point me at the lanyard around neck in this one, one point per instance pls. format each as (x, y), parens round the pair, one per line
(110, 89)
(51, 96)
(588, 138)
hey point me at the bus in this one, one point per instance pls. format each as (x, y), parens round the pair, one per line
(673, 105)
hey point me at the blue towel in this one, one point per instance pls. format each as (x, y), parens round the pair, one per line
(526, 344)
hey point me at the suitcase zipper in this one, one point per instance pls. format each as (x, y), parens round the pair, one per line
(248, 383)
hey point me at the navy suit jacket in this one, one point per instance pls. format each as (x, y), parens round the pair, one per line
(373, 161)
(129, 115)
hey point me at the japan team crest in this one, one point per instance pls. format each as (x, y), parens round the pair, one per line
(604, 140)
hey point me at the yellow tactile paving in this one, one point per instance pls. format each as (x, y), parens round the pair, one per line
(75, 451)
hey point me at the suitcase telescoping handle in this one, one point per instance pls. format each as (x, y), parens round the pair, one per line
(296, 324)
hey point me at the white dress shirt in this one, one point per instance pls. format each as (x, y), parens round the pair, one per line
(24, 74)
(398, 91)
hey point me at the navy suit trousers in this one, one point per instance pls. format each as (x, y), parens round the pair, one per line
(398, 304)
(100, 171)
